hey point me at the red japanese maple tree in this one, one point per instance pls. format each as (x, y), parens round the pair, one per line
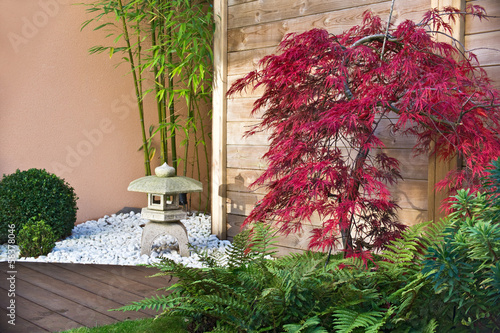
(325, 97)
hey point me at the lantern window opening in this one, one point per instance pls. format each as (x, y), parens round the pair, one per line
(163, 201)
(156, 199)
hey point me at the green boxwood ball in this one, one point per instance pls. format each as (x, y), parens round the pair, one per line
(35, 239)
(36, 193)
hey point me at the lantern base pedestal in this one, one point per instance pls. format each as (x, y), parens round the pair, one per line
(152, 230)
(163, 215)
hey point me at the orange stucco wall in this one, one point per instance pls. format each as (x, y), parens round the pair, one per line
(64, 110)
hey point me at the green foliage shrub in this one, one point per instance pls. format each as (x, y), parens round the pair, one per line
(302, 292)
(35, 239)
(438, 277)
(465, 267)
(36, 193)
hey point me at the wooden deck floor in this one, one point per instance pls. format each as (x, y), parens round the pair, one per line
(57, 297)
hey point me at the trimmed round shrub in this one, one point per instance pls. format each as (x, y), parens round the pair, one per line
(36, 193)
(35, 239)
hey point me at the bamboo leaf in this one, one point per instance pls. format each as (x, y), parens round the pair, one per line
(103, 25)
(117, 39)
(160, 94)
(86, 23)
(152, 152)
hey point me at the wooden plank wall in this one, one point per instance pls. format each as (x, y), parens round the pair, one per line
(254, 29)
(438, 169)
(484, 38)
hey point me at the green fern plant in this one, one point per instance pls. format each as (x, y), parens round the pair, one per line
(311, 325)
(392, 294)
(221, 297)
(303, 292)
(309, 293)
(348, 320)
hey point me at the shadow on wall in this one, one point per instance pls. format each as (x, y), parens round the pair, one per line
(242, 199)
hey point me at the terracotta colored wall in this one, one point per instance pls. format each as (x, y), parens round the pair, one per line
(65, 110)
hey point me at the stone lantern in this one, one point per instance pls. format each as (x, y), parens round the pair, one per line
(164, 211)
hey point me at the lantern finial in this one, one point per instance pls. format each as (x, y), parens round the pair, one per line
(164, 171)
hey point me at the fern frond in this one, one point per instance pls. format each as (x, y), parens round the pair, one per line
(221, 327)
(210, 286)
(154, 303)
(311, 325)
(263, 238)
(431, 326)
(434, 231)
(348, 320)
(169, 267)
(355, 296)
(208, 259)
(377, 327)
(237, 251)
(407, 295)
(412, 246)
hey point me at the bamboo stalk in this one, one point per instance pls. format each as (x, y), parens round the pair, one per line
(171, 108)
(138, 92)
(189, 125)
(163, 82)
(159, 102)
(197, 158)
(205, 150)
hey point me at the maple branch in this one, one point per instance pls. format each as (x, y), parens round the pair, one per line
(462, 13)
(462, 114)
(450, 37)
(387, 30)
(393, 108)
(358, 163)
(370, 38)
(483, 106)
(484, 48)
(347, 90)
(430, 116)
(451, 125)
(437, 120)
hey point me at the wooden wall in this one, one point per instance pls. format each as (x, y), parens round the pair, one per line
(484, 38)
(254, 29)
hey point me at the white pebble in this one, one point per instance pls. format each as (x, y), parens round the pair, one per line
(116, 239)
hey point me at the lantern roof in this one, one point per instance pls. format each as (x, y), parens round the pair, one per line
(165, 182)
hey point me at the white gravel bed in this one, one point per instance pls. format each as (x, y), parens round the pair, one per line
(116, 240)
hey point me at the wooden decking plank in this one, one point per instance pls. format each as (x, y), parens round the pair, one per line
(152, 269)
(108, 291)
(134, 287)
(55, 297)
(73, 293)
(79, 313)
(21, 325)
(139, 274)
(39, 315)
(72, 276)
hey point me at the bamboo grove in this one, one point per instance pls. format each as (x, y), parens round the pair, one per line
(168, 46)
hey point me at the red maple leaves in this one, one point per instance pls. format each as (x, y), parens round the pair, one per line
(325, 97)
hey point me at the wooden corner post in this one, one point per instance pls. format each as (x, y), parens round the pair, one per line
(438, 168)
(219, 155)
